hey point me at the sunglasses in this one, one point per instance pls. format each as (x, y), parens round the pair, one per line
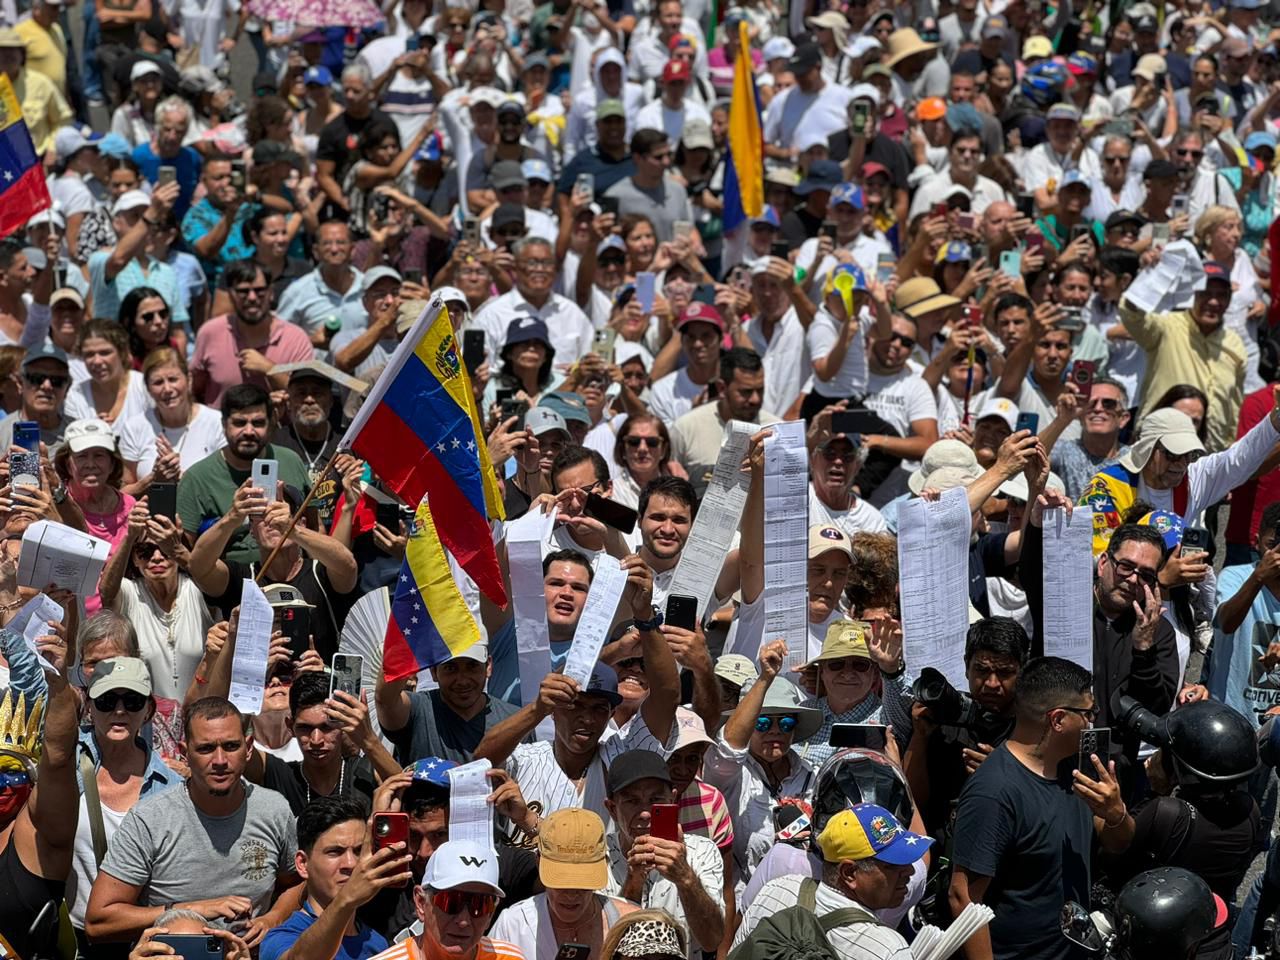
(1109, 404)
(906, 341)
(249, 291)
(154, 315)
(56, 380)
(454, 902)
(1184, 152)
(856, 664)
(651, 442)
(786, 724)
(133, 702)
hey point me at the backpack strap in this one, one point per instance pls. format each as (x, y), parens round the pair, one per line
(846, 916)
(808, 897)
(93, 805)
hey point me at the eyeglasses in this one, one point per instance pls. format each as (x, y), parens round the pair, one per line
(146, 549)
(133, 702)
(1126, 569)
(651, 442)
(249, 291)
(154, 315)
(543, 265)
(1116, 159)
(1089, 713)
(1109, 404)
(1185, 152)
(906, 341)
(56, 380)
(786, 724)
(1175, 457)
(856, 664)
(454, 902)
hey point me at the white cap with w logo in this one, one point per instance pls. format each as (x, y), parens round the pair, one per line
(457, 862)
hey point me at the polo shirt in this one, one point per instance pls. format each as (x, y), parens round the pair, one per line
(308, 301)
(785, 355)
(218, 345)
(46, 51)
(201, 220)
(187, 165)
(107, 294)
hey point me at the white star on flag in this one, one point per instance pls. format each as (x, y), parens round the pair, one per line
(440, 446)
(417, 606)
(406, 631)
(8, 176)
(413, 619)
(404, 577)
(456, 443)
(471, 445)
(911, 841)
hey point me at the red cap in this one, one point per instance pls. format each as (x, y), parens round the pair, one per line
(699, 311)
(871, 168)
(675, 70)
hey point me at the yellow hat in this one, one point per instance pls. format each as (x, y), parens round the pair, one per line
(845, 638)
(571, 851)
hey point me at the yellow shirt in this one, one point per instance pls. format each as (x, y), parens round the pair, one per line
(1177, 353)
(43, 107)
(46, 51)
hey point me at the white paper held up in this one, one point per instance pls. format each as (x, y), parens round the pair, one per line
(933, 564)
(470, 815)
(1067, 566)
(53, 553)
(253, 645)
(529, 605)
(597, 617)
(786, 540)
(32, 621)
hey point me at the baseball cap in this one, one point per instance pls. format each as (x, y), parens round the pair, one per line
(143, 68)
(381, 272)
(736, 668)
(319, 370)
(506, 174)
(457, 862)
(45, 351)
(50, 215)
(1168, 525)
(1063, 111)
(487, 96)
(697, 135)
(432, 770)
(823, 175)
(130, 200)
(944, 454)
(849, 193)
(1001, 407)
(634, 765)
(318, 76)
(1150, 66)
(676, 71)
(827, 20)
(88, 434)
(824, 537)
(931, 108)
(67, 293)
(542, 420)
(859, 283)
(506, 214)
(699, 312)
(285, 595)
(807, 56)
(478, 652)
(867, 831)
(690, 730)
(120, 673)
(604, 681)
(1214, 270)
(954, 251)
(778, 48)
(1159, 169)
(571, 851)
(996, 26)
(71, 140)
(1259, 140)
(1174, 431)
(570, 406)
(1037, 47)
(864, 91)
(1118, 217)
(610, 108)
(871, 168)
(611, 242)
(1082, 63)
(768, 216)
(1236, 47)
(536, 170)
(1074, 178)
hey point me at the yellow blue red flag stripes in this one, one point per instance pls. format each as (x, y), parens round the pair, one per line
(744, 166)
(430, 620)
(23, 190)
(420, 433)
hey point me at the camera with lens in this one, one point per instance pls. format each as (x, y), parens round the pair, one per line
(1134, 718)
(960, 716)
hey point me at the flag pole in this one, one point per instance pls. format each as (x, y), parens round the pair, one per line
(293, 521)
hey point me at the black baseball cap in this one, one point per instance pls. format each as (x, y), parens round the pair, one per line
(635, 765)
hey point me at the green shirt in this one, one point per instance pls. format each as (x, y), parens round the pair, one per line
(206, 490)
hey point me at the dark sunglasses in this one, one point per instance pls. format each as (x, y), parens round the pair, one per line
(154, 314)
(249, 291)
(651, 442)
(904, 340)
(1109, 404)
(133, 702)
(454, 902)
(856, 664)
(786, 724)
(56, 380)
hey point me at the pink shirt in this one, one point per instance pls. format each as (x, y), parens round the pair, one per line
(110, 527)
(218, 346)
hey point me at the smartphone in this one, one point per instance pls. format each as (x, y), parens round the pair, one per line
(348, 670)
(681, 229)
(939, 210)
(59, 276)
(380, 206)
(295, 624)
(237, 176)
(1159, 233)
(472, 349)
(1120, 127)
(1195, 538)
(608, 205)
(780, 248)
(1028, 421)
(24, 469)
(388, 514)
(573, 951)
(1072, 320)
(861, 113)
(973, 316)
(967, 222)
(1026, 204)
(585, 184)
(411, 43)
(828, 229)
(860, 422)
(1011, 263)
(1081, 230)
(266, 474)
(610, 513)
(868, 736)
(162, 499)
(471, 231)
(682, 611)
(1181, 204)
(602, 343)
(26, 434)
(166, 174)
(413, 276)
(1035, 242)
(646, 289)
(194, 946)
(1094, 740)
(389, 828)
(1082, 373)
(664, 821)
(511, 407)
(886, 266)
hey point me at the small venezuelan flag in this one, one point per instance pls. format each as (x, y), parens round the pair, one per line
(744, 164)
(420, 433)
(23, 190)
(430, 620)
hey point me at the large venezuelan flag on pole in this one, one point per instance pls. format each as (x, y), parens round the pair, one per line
(744, 167)
(420, 433)
(23, 190)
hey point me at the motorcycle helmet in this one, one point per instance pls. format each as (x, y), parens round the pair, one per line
(1164, 913)
(1210, 744)
(1043, 83)
(859, 776)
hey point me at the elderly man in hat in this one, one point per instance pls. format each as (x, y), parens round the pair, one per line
(44, 108)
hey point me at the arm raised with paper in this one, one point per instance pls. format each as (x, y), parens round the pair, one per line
(556, 692)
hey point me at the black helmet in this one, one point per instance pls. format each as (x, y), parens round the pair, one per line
(1210, 744)
(1163, 913)
(859, 776)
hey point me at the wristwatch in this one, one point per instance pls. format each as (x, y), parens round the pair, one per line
(652, 624)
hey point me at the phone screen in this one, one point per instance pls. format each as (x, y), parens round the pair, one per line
(682, 611)
(162, 498)
(868, 736)
(473, 349)
(859, 422)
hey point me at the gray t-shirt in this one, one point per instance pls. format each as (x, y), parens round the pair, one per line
(434, 730)
(178, 854)
(663, 205)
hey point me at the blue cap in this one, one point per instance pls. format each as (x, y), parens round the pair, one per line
(1081, 62)
(1244, 4)
(867, 831)
(432, 770)
(536, 170)
(964, 118)
(623, 294)
(849, 193)
(1072, 177)
(114, 145)
(319, 75)
(954, 251)
(611, 242)
(1260, 138)
(823, 175)
(604, 682)
(432, 148)
(1168, 525)
(1063, 111)
(522, 329)
(568, 405)
(853, 270)
(768, 215)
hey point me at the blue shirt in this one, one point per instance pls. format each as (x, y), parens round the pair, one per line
(187, 163)
(107, 294)
(201, 219)
(158, 776)
(309, 300)
(367, 942)
(1233, 673)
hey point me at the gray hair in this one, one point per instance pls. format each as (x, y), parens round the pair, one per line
(1117, 138)
(174, 104)
(358, 70)
(178, 913)
(524, 243)
(1115, 385)
(108, 625)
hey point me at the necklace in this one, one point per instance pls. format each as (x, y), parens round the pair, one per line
(342, 775)
(302, 446)
(169, 618)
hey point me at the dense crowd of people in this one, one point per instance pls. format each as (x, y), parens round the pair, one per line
(1011, 247)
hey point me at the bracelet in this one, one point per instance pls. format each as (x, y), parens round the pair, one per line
(1124, 815)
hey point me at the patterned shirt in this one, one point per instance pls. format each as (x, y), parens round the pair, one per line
(201, 219)
(704, 812)
(107, 294)
(889, 707)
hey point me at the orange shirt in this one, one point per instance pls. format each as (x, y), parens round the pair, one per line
(486, 949)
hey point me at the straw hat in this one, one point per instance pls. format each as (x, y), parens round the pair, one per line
(904, 43)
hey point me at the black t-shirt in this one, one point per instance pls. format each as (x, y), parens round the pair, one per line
(339, 138)
(883, 150)
(286, 778)
(1032, 837)
(799, 225)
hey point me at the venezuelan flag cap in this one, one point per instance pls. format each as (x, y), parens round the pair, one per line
(866, 832)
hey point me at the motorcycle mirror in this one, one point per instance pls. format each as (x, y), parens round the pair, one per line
(1079, 928)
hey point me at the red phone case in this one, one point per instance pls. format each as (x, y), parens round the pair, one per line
(664, 821)
(389, 828)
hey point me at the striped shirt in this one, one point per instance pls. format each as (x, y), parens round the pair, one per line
(704, 812)
(486, 949)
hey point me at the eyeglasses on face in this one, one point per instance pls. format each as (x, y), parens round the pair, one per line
(56, 380)
(651, 442)
(1127, 568)
(1109, 404)
(1187, 152)
(903, 339)
(133, 701)
(1089, 713)
(454, 902)
(1175, 457)
(856, 664)
(250, 291)
(786, 724)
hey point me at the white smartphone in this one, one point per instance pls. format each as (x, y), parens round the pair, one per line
(266, 474)
(348, 671)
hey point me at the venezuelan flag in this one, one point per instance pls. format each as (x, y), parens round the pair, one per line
(23, 190)
(744, 166)
(420, 432)
(430, 620)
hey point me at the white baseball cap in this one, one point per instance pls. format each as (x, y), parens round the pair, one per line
(91, 432)
(1001, 407)
(130, 200)
(457, 862)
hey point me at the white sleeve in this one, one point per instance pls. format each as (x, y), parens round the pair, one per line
(821, 336)
(39, 316)
(1035, 169)
(921, 403)
(1211, 477)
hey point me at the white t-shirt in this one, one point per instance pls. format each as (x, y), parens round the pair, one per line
(658, 116)
(786, 360)
(80, 405)
(171, 644)
(794, 116)
(84, 864)
(900, 399)
(672, 396)
(198, 439)
(862, 517)
(821, 338)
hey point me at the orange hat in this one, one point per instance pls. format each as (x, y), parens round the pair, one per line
(931, 108)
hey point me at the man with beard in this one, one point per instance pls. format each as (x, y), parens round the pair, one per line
(309, 432)
(241, 347)
(222, 847)
(208, 492)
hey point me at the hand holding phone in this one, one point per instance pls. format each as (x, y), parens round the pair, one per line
(664, 821)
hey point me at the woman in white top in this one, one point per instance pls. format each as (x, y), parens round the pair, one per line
(641, 453)
(113, 392)
(1218, 234)
(174, 433)
(142, 582)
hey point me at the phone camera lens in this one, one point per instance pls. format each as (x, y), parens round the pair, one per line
(382, 828)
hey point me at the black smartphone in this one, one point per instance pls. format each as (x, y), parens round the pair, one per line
(473, 349)
(502, 395)
(347, 674)
(413, 275)
(162, 499)
(682, 611)
(1028, 421)
(511, 407)
(192, 946)
(608, 205)
(1072, 320)
(237, 175)
(780, 248)
(828, 229)
(860, 422)
(380, 206)
(861, 113)
(295, 624)
(868, 736)
(388, 514)
(573, 951)
(26, 434)
(1081, 230)
(610, 513)
(1195, 539)
(1027, 205)
(1094, 740)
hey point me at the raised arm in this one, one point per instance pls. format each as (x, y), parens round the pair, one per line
(751, 546)
(500, 741)
(738, 728)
